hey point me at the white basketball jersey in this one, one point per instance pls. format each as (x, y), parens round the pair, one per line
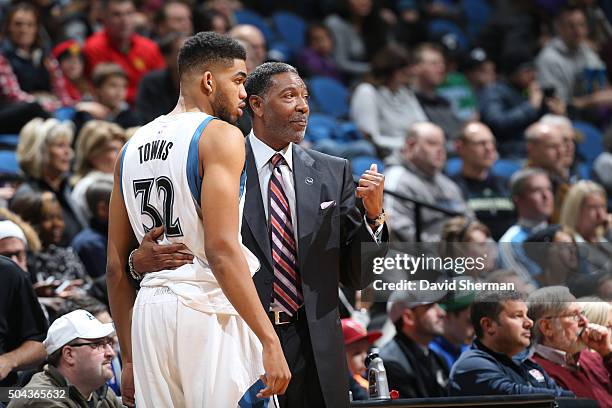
(161, 186)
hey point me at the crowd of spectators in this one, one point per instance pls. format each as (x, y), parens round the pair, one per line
(493, 132)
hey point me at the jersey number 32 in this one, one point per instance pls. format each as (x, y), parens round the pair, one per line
(162, 184)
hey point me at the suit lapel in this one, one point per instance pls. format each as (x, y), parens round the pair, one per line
(307, 182)
(254, 213)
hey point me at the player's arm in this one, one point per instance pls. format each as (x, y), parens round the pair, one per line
(121, 294)
(221, 152)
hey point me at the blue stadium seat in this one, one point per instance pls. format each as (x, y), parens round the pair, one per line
(477, 13)
(291, 28)
(360, 164)
(9, 141)
(320, 127)
(245, 16)
(8, 163)
(65, 113)
(584, 170)
(505, 168)
(453, 166)
(329, 96)
(591, 146)
(439, 27)
(280, 51)
(347, 132)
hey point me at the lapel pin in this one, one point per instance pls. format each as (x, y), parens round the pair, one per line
(309, 180)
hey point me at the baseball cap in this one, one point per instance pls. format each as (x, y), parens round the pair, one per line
(65, 48)
(458, 299)
(516, 60)
(410, 299)
(79, 324)
(354, 331)
(8, 229)
(473, 59)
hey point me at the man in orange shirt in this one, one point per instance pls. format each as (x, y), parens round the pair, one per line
(119, 43)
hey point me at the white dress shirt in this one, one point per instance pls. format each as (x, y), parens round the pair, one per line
(263, 154)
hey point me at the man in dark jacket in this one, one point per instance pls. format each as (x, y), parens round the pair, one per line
(413, 369)
(497, 363)
(509, 106)
(22, 323)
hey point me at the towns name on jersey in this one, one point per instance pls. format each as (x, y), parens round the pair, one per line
(155, 150)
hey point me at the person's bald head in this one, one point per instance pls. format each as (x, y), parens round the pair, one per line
(252, 35)
(545, 148)
(476, 146)
(565, 128)
(425, 147)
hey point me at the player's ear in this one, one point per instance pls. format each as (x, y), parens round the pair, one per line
(207, 83)
(256, 104)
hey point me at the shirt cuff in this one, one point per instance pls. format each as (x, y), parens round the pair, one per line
(376, 236)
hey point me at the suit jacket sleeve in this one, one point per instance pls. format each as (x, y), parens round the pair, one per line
(356, 260)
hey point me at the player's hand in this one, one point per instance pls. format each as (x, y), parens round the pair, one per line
(127, 385)
(277, 374)
(370, 190)
(152, 257)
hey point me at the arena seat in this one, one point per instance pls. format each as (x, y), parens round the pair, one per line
(320, 126)
(591, 145)
(329, 96)
(453, 166)
(439, 27)
(477, 13)
(8, 163)
(505, 168)
(245, 16)
(291, 29)
(9, 141)
(360, 164)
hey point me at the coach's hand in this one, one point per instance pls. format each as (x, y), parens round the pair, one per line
(370, 190)
(152, 257)
(277, 371)
(127, 385)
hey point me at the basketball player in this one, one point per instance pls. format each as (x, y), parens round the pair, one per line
(196, 336)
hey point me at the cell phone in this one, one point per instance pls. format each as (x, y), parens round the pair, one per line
(549, 92)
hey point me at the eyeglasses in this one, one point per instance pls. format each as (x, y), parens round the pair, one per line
(17, 254)
(97, 345)
(576, 316)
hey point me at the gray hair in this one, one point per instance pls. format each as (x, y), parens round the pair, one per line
(556, 120)
(34, 138)
(595, 309)
(518, 181)
(547, 302)
(572, 204)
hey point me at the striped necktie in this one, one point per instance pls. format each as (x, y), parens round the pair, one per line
(287, 294)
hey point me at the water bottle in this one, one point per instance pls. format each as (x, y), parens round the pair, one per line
(377, 378)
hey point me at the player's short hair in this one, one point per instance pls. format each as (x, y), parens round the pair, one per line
(204, 49)
(260, 80)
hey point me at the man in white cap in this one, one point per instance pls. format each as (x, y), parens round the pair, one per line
(13, 243)
(80, 351)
